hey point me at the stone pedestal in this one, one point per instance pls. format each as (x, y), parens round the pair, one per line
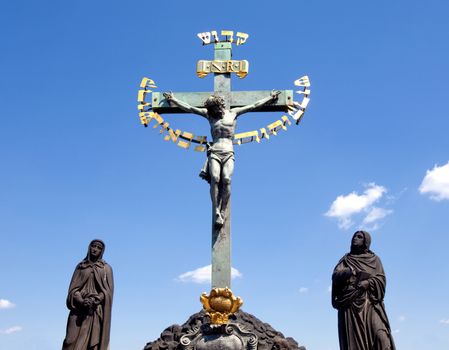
(230, 336)
(243, 332)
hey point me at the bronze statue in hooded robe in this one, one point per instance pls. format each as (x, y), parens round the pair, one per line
(90, 301)
(358, 290)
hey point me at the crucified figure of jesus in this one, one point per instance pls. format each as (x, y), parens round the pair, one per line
(220, 153)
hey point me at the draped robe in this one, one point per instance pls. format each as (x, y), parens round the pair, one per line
(89, 328)
(361, 313)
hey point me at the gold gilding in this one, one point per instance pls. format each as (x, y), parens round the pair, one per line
(303, 81)
(157, 117)
(142, 94)
(203, 67)
(212, 37)
(304, 103)
(264, 134)
(146, 116)
(143, 105)
(229, 33)
(164, 127)
(184, 144)
(144, 120)
(220, 304)
(184, 139)
(171, 135)
(241, 38)
(274, 127)
(200, 148)
(305, 92)
(285, 121)
(147, 82)
(215, 35)
(188, 136)
(298, 115)
(246, 137)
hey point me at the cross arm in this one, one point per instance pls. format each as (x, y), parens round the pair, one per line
(256, 105)
(238, 99)
(186, 107)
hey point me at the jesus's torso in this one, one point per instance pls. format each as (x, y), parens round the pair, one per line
(222, 130)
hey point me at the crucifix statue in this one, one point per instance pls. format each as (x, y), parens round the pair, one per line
(221, 108)
(219, 165)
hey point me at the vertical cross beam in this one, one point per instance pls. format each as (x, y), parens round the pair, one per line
(222, 81)
(221, 237)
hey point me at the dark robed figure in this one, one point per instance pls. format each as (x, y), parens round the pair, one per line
(90, 301)
(358, 290)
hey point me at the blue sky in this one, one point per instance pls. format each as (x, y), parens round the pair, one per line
(371, 152)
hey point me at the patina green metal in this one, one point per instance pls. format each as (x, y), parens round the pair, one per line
(238, 99)
(221, 236)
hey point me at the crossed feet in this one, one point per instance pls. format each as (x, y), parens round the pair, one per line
(219, 221)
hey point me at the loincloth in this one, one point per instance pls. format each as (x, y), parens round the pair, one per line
(220, 156)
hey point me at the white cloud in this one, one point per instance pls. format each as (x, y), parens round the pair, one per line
(344, 207)
(401, 318)
(203, 275)
(375, 214)
(445, 321)
(6, 304)
(329, 288)
(11, 330)
(303, 290)
(396, 331)
(436, 183)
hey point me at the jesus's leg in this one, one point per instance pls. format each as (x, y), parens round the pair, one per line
(226, 174)
(214, 171)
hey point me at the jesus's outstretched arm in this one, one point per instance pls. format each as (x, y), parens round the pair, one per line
(245, 109)
(184, 105)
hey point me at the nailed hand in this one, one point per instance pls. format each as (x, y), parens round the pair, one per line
(168, 95)
(275, 94)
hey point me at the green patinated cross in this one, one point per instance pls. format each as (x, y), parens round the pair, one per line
(221, 236)
(222, 86)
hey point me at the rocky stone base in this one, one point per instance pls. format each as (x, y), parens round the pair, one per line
(268, 338)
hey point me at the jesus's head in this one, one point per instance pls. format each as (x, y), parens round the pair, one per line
(215, 105)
